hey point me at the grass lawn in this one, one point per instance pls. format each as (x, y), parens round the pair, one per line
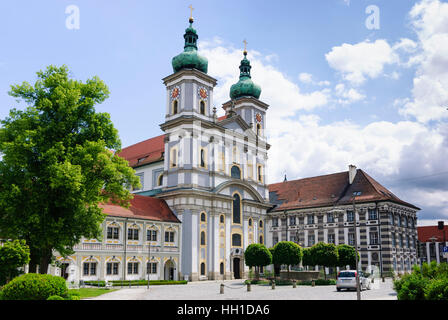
(91, 292)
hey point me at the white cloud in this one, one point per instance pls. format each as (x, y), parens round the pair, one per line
(305, 77)
(430, 91)
(285, 96)
(363, 60)
(347, 96)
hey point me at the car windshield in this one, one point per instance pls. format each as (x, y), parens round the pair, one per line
(346, 274)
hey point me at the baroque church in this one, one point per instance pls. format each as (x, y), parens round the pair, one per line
(204, 196)
(209, 170)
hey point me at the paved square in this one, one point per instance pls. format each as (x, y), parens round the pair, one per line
(235, 290)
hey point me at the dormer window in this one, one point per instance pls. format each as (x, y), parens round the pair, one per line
(140, 160)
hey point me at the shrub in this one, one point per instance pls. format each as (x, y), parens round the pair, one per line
(13, 255)
(412, 287)
(55, 298)
(323, 282)
(32, 286)
(73, 295)
(437, 290)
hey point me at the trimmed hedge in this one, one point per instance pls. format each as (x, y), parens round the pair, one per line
(283, 282)
(55, 298)
(119, 283)
(32, 286)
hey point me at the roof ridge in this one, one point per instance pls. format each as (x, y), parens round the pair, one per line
(323, 175)
(375, 185)
(132, 145)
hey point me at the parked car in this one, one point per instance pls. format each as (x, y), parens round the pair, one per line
(347, 280)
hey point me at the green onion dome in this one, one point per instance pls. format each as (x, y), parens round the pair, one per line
(245, 86)
(190, 59)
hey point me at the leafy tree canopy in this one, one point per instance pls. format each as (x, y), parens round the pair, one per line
(58, 163)
(346, 256)
(287, 253)
(257, 255)
(324, 254)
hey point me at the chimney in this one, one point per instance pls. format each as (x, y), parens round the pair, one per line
(351, 173)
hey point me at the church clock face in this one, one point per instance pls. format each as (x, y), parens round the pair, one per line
(203, 93)
(175, 92)
(258, 117)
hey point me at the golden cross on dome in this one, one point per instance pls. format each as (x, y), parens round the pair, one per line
(245, 45)
(191, 11)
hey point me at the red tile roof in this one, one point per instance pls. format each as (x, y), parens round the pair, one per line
(147, 151)
(142, 207)
(427, 232)
(328, 190)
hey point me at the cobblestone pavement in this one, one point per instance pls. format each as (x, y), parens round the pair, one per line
(235, 290)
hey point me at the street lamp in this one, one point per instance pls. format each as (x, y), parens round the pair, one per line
(358, 289)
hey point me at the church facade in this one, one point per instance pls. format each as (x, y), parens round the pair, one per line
(210, 171)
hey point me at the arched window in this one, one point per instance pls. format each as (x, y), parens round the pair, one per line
(250, 222)
(202, 269)
(160, 180)
(202, 155)
(235, 172)
(221, 268)
(261, 223)
(202, 107)
(221, 218)
(174, 157)
(202, 238)
(258, 129)
(203, 217)
(261, 239)
(236, 208)
(175, 103)
(236, 240)
(259, 173)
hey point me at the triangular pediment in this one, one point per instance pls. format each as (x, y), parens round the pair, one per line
(237, 123)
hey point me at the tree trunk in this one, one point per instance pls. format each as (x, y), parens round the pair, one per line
(45, 259)
(34, 261)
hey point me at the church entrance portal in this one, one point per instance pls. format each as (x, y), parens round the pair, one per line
(169, 270)
(236, 268)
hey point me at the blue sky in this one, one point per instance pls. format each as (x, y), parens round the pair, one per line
(373, 117)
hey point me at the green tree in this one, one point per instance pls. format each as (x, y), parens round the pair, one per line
(346, 256)
(13, 255)
(287, 253)
(58, 163)
(325, 255)
(257, 255)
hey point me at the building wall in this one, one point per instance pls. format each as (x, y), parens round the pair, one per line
(113, 250)
(384, 253)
